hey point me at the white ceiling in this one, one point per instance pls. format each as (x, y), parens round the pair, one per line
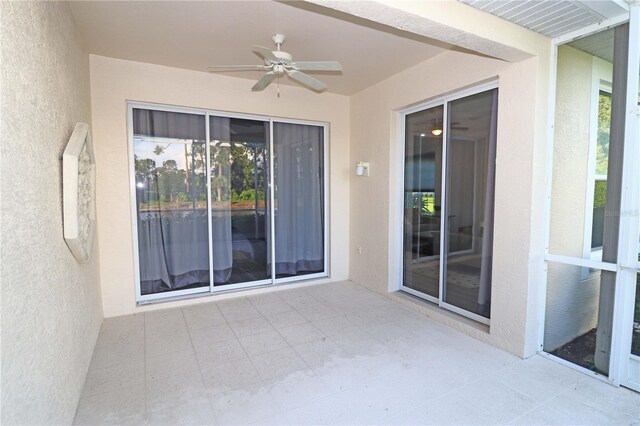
(598, 44)
(552, 18)
(194, 35)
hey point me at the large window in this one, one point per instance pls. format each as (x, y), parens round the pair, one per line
(205, 216)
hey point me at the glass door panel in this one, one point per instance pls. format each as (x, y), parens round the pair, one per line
(469, 205)
(422, 200)
(298, 167)
(171, 201)
(238, 162)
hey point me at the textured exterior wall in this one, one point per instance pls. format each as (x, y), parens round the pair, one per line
(374, 137)
(571, 146)
(114, 81)
(51, 309)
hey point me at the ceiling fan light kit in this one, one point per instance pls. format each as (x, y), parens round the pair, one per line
(278, 63)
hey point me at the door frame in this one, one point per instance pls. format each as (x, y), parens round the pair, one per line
(213, 289)
(627, 266)
(399, 181)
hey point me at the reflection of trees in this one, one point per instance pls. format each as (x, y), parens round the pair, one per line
(604, 128)
(238, 173)
(169, 183)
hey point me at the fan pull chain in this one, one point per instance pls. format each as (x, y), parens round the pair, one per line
(278, 84)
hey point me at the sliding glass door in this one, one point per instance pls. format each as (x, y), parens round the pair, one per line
(471, 152)
(423, 201)
(238, 164)
(169, 156)
(299, 198)
(449, 169)
(205, 217)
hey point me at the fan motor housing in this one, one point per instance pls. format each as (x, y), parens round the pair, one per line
(284, 57)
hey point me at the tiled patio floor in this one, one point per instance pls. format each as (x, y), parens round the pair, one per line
(328, 354)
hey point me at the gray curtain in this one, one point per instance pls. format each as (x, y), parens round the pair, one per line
(484, 291)
(173, 243)
(173, 251)
(299, 198)
(220, 136)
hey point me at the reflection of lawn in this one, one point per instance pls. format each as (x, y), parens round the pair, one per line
(186, 206)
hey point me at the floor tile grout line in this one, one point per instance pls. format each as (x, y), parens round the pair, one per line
(312, 369)
(199, 368)
(280, 411)
(144, 339)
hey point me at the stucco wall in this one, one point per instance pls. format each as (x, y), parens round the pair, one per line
(113, 82)
(51, 309)
(571, 147)
(519, 183)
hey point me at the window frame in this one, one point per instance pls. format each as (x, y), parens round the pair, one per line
(600, 82)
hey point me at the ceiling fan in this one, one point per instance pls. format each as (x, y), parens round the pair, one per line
(436, 126)
(278, 63)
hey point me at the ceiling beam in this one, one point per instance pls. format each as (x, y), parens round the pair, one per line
(449, 22)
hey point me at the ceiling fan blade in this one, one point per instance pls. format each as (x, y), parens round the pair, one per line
(307, 80)
(263, 82)
(265, 53)
(224, 68)
(317, 66)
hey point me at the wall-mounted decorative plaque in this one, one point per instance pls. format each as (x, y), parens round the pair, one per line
(78, 193)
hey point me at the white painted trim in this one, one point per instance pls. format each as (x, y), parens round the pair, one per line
(420, 294)
(624, 301)
(132, 201)
(585, 263)
(207, 150)
(397, 209)
(150, 298)
(576, 367)
(301, 277)
(551, 115)
(326, 172)
(452, 96)
(600, 81)
(164, 107)
(272, 209)
(465, 313)
(237, 286)
(444, 204)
